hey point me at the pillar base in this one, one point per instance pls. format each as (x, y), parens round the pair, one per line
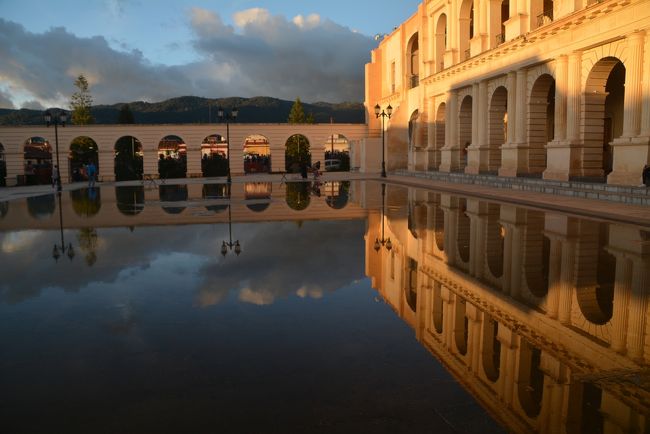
(562, 160)
(630, 156)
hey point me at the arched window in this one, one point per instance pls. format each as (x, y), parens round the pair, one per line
(413, 61)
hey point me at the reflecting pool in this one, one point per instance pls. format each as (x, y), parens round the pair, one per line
(303, 307)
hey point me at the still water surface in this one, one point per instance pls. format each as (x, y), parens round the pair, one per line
(149, 328)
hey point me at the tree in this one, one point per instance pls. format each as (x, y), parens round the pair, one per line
(126, 115)
(297, 113)
(310, 118)
(81, 102)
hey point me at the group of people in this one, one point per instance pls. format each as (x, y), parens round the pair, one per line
(89, 171)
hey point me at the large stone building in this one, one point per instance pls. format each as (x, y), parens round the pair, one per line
(539, 88)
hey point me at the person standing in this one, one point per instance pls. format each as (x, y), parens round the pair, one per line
(91, 172)
(55, 176)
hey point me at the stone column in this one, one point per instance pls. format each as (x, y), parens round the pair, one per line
(522, 109)
(645, 118)
(106, 164)
(622, 292)
(473, 151)
(561, 87)
(509, 346)
(633, 95)
(511, 83)
(194, 163)
(556, 379)
(573, 96)
(637, 314)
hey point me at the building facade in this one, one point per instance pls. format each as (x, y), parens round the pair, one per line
(555, 89)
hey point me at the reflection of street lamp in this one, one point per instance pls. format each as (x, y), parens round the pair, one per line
(229, 245)
(383, 241)
(232, 116)
(62, 248)
(388, 113)
(56, 117)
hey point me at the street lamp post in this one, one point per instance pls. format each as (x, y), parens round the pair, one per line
(225, 246)
(384, 114)
(56, 117)
(383, 241)
(232, 116)
(58, 250)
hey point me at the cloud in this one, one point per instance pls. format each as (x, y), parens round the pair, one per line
(33, 105)
(262, 54)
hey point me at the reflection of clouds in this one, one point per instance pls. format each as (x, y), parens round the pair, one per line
(15, 241)
(260, 298)
(310, 292)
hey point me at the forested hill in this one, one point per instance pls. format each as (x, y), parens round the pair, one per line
(191, 109)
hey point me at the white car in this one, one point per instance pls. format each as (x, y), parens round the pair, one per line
(332, 164)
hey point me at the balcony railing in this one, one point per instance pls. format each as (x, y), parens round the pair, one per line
(415, 81)
(545, 18)
(500, 38)
(468, 54)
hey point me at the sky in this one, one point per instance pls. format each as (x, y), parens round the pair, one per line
(151, 50)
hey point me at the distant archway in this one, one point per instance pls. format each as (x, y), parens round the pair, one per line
(297, 153)
(83, 150)
(172, 157)
(541, 122)
(464, 130)
(129, 159)
(214, 160)
(173, 193)
(258, 195)
(413, 61)
(466, 24)
(441, 42)
(130, 199)
(257, 154)
(497, 127)
(337, 153)
(37, 154)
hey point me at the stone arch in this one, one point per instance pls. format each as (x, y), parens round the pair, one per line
(466, 27)
(438, 306)
(530, 384)
(497, 127)
(541, 122)
(37, 154)
(86, 202)
(495, 240)
(257, 154)
(41, 207)
(83, 150)
(172, 157)
(214, 160)
(413, 61)
(491, 353)
(460, 325)
(296, 153)
(129, 159)
(258, 195)
(464, 129)
(439, 136)
(130, 199)
(602, 115)
(3, 167)
(595, 273)
(413, 128)
(441, 42)
(172, 193)
(537, 252)
(337, 194)
(463, 225)
(216, 192)
(298, 195)
(337, 153)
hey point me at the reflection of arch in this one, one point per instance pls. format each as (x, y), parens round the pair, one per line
(491, 349)
(602, 111)
(495, 237)
(460, 326)
(441, 42)
(298, 195)
(413, 61)
(83, 150)
(129, 159)
(536, 254)
(297, 153)
(86, 202)
(530, 383)
(173, 193)
(41, 207)
(216, 191)
(411, 289)
(257, 154)
(3, 167)
(213, 156)
(130, 199)
(541, 121)
(497, 127)
(462, 240)
(337, 194)
(258, 194)
(438, 305)
(596, 270)
(172, 157)
(37, 154)
(465, 129)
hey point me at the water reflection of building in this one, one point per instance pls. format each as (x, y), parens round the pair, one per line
(541, 316)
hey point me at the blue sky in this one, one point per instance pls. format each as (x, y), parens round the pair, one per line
(313, 49)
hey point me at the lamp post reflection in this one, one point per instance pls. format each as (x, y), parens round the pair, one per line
(232, 116)
(62, 249)
(383, 241)
(225, 246)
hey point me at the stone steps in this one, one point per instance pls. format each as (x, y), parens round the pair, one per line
(587, 190)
